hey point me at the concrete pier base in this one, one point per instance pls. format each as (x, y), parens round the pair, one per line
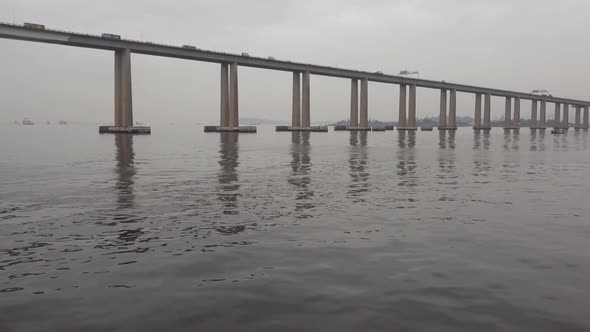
(319, 129)
(241, 129)
(407, 128)
(446, 128)
(482, 128)
(538, 128)
(511, 128)
(125, 130)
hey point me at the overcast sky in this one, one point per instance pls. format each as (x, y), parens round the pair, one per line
(509, 44)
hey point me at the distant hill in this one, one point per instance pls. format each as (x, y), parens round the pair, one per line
(462, 121)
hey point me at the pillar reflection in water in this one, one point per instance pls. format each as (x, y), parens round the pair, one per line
(406, 166)
(481, 162)
(229, 188)
(537, 140)
(300, 170)
(125, 170)
(447, 175)
(511, 140)
(357, 163)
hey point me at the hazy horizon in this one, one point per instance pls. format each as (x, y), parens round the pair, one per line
(498, 44)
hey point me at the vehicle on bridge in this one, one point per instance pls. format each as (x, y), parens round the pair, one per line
(34, 26)
(111, 36)
(543, 93)
(189, 47)
(245, 54)
(27, 122)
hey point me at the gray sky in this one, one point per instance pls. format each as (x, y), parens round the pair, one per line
(510, 44)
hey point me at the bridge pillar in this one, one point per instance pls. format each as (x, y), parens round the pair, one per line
(557, 116)
(452, 119)
(566, 121)
(305, 117)
(409, 122)
(123, 123)
(233, 96)
(543, 115)
(296, 105)
(412, 108)
(229, 118)
(577, 119)
(364, 120)
(402, 123)
(224, 119)
(354, 103)
(585, 120)
(507, 112)
(516, 115)
(442, 116)
(477, 115)
(533, 124)
(487, 110)
(123, 95)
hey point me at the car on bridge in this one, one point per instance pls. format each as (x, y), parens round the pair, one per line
(111, 36)
(190, 47)
(34, 26)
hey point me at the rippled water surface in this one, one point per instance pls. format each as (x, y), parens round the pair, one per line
(339, 231)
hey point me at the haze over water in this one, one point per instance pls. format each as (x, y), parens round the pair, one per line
(339, 231)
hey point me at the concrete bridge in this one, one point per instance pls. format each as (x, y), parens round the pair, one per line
(301, 105)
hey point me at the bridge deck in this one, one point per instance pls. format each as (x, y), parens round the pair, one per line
(11, 31)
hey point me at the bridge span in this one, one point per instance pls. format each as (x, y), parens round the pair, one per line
(301, 104)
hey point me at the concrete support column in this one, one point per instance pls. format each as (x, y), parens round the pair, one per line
(578, 122)
(585, 120)
(487, 111)
(305, 117)
(452, 120)
(507, 112)
(364, 120)
(402, 106)
(233, 96)
(543, 115)
(296, 104)
(412, 107)
(516, 115)
(354, 103)
(123, 95)
(557, 115)
(224, 95)
(566, 121)
(477, 115)
(442, 116)
(534, 114)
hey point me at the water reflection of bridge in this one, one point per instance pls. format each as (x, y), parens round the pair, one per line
(125, 170)
(357, 163)
(229, 187)
(300, 172)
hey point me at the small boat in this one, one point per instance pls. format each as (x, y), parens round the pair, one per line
(558, 131)
(27, 122)
(62, 122)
